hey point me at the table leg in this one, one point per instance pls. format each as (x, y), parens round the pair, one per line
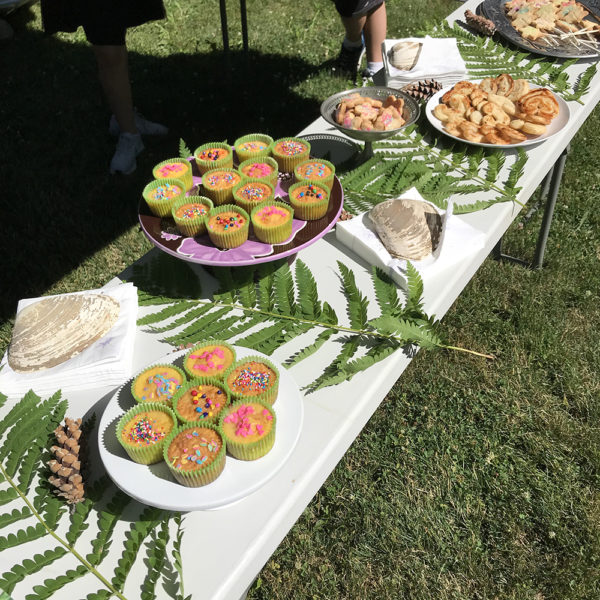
(244, 25)
(224, 27)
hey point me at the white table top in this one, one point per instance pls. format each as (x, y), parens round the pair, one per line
(333, 416)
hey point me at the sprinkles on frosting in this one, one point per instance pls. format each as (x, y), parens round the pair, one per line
(172, 169)
(258, 169)
(192, 211)
(165, 191)
(143, 432)
(245, 423)
(252, 192)
(291, 148)
(164, 387)
(251, 380)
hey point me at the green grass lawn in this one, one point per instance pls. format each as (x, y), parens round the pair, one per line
(473, 479)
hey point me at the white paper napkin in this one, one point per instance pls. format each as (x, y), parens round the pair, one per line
(106, 362)
(439, 59)
(457, 240)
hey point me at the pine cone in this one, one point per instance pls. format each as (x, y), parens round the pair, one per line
(422, 90)
(480, 24)
(66, 467)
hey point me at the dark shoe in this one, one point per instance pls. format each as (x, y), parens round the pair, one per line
(347, 62)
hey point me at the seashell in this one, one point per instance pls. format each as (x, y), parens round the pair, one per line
(404, 55)
(53, 330)
(408, 229)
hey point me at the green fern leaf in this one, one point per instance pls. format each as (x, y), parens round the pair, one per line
(22, 536)
(284, 291)
(322, 337)
(308, 296)
(29, 566)
(356, 302)
(14, 516)
(184, 151)
(165, 313)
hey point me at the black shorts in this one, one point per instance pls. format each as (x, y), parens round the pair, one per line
(356, 8)
(104, 31)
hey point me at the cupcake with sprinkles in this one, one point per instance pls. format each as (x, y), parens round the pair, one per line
(261, 169)
(250, 194)
(253, 146)
(201, 401)
(196, 454)
(213, 155)
(161, 194)
(253, 378)
(228, 226)
(209, 359)
(316, 170)
(189, 214)
(309, 199)
(290, 152)
(175, 168)
(143, 429)
(218, 185)
(272, 222)
(249, 429)
(158, 383)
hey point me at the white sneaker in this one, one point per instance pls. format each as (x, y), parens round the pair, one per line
(143, 126)
(128, 147)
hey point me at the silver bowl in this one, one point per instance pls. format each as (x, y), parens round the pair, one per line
(410, 114)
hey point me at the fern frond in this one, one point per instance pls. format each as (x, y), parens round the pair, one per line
(356, 302)
(184, 151)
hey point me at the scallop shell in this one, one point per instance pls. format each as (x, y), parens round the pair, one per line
(404, 55)
(408, 229)
(53, 330)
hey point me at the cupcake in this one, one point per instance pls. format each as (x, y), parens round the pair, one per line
(195, 455)
(316, 170)
(249, 429)
(213, 155)
(262, 169)
(189, 214)
(175, 168)
(272, 222)
(253, 146)
(253, 378)
(309, 199)
(143, 429)
(250, 194)
(290, 152)
(209, 359)
(218, 185)
(228, 226)
(158, 383)
(160, 195)
(201, 401)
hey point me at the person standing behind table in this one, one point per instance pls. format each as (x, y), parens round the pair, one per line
(105, 23)
(361, 19)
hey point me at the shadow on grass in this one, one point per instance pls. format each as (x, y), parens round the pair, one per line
(60, 204)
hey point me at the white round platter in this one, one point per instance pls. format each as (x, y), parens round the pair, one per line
(154, 485)
(555, 126)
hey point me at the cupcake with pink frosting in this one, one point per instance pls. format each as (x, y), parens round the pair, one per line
(209, 359)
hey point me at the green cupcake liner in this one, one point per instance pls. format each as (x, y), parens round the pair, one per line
(269, 396)
(167, 402)
(202, 475)
(209, 165)
(243, 154)
(161, 207)
(196, 225)
(249, 205)
(288, 163)
(309, 211)
(328, 181)
(272, 235)
(249, 450)
(195, 374)
(186, 177)
(268, 160)
(223, 195)
(193, 384)
(232, 238)
(152, 453)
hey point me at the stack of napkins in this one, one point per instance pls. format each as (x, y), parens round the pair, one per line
(457, 240)
(71, 342)
(434, 58)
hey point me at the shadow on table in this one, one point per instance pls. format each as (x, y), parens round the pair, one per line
(60, 204)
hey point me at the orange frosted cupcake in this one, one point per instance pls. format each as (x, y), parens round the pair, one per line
(253, 146)
(175, 168)
(218, 185)
(310, 200)
(316, 170)
(209, 359)
(272, 222)
(213, 155)
(202, 400)
(228, 226)
(190, 213)
(261, 169)
(161, 194)
(250, 194)
(253, 378)
(290, 152)
(158, 383)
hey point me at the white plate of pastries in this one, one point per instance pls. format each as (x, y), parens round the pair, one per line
(497, 112)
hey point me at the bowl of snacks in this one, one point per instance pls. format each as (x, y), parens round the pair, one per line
(370, 114)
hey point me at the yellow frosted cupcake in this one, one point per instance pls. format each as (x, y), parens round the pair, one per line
(310, 200)
(201, 401)
(195, 455)
(158, 383)
(175, 168)
(218, 185)
(250, 194)
(209, 359)
(319, 170)
(213, 155)
(290, 152)
(272, 222)
(161, 194)
(189, 214)
(253, 378)
(143, 430)
(253, 145)
(228, 226)
(249, 429)
(260, 169)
